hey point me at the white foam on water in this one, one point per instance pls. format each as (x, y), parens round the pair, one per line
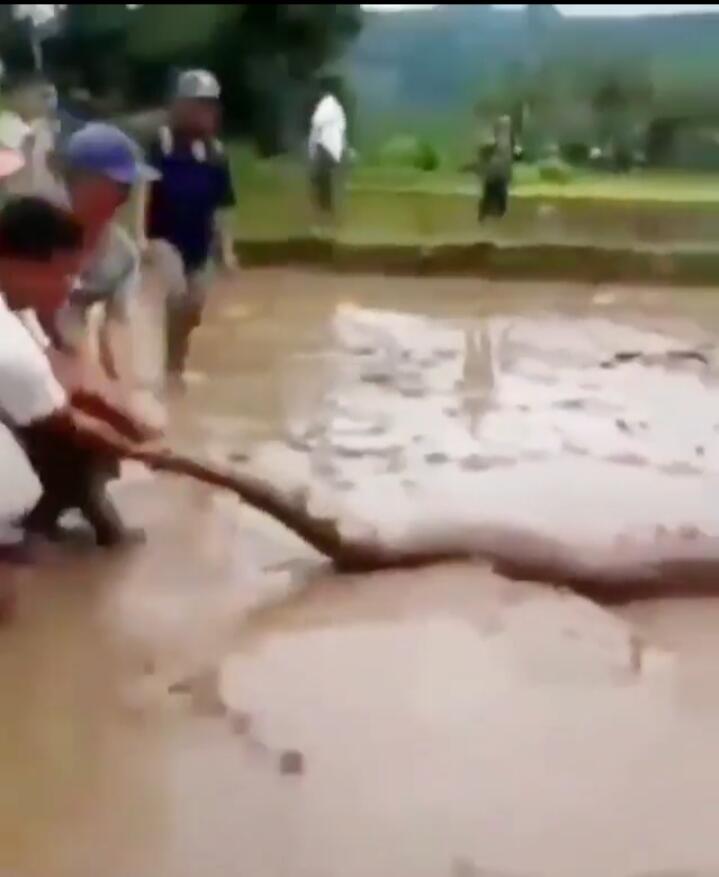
(516, 424)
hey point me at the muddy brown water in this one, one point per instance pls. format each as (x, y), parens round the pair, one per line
(450, 721)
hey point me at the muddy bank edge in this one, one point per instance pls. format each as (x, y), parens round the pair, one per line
(486, 259)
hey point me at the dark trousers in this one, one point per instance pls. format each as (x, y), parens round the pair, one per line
(322, 178)
(495, 197)
(71, 479)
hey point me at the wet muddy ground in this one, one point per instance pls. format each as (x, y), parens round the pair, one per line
(219, 702)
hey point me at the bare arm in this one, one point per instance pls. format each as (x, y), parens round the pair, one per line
(225, 217)
(226, 229)
(115, 343)
(122, 287)
(94, 394)
(139, 213)
(88, 432)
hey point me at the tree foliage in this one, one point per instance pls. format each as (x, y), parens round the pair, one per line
(265, 54)
(584, 81)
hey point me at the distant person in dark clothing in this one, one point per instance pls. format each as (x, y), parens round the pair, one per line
(190, 205)
(497, 172)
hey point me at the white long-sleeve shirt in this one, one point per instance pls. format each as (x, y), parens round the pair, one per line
(29, 392)
(329, 128)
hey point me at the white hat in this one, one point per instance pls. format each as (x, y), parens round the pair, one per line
(13, 131)
(197, 85)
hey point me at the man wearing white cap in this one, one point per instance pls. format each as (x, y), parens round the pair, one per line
(191, 201)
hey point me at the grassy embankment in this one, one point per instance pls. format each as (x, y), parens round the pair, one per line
(387, 205)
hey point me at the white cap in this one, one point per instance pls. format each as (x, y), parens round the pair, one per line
(197, 85)
(13, 131)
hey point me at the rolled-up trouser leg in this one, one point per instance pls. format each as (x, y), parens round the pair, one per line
(60, 469)
(45, 516)
(181, 321)
(71, 478)
(100, 511)
(184, 315)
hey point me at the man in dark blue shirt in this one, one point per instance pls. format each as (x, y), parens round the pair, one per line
(183, 206)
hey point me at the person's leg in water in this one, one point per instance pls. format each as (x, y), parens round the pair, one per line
(184, 315)
(182, 320)
(91, 499)
(74, 479)
(55, 468)
(101, 513)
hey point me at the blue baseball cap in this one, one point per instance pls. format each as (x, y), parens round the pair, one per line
(106, 150)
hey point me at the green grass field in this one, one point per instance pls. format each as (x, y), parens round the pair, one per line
(663, 187)
(384, 205)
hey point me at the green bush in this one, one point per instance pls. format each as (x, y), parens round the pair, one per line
(405, 150)
(554, 170)
(575, 152)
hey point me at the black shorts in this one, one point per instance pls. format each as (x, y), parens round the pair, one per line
(495, 196)
(323, 172)
(68, 472)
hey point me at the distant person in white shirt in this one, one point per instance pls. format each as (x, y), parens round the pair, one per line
(327, 146)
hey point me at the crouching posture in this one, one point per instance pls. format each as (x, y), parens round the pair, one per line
(72, 438)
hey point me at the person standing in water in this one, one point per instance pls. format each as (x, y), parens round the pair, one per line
(497, 172)
(41, 248)
(191, 204)
(96, 170)
(327, 145)
(98, 167)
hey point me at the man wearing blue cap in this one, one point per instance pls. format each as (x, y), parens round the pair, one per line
(99, 166)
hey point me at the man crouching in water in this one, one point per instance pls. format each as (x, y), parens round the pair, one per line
(97, 167)
(41, 248)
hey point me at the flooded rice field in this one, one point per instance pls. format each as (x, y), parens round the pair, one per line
(220, 702)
